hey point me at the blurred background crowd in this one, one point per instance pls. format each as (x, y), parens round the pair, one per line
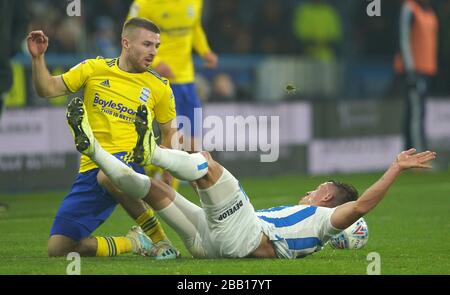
(325, 68)
(359, 48)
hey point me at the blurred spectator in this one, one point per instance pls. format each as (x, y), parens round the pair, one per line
(11, 18)
(443, 81)
(374, 36)
(44, 16)
(247, 12)
(67, 33)
(5, 67)
(223, 88)
(243, 42)
(223, 25)
(318, 26)
(202, 87)
(116, 10)
(273, 28)
(70, 35)
(105, 38)
(417, 62)
(182, 34)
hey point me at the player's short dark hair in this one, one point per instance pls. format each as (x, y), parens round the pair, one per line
(140, 22)
(345, 192)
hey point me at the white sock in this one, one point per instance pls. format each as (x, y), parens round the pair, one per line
(126, 179)
(182, 165)
(182, 216)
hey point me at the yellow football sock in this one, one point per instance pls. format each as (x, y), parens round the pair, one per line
(113, 246)
(175, 184)
(151, 226)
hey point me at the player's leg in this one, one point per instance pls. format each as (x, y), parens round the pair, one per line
(224, 202)
(227, 208)
(419, 109)
(86, 207)
(59, 245)
(130, 183)
(82, 211)
(187, 102)
(199, 167)
(179, 213)
(136, 209)
(180, 164)
(415, 114)
(172, 214)
(184, 216)
(187, 219)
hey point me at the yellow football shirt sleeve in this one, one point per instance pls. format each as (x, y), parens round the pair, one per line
(200, 43)
(77, 76)
(165, 107)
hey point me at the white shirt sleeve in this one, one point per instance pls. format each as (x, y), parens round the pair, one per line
(323, 228)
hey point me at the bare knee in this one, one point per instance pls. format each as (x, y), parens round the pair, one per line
(60, 246)
(106, 183)
(103, 180)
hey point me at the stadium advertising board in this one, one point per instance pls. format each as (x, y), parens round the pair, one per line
(353, 154)
(334, 119)
(438, 120)
(36, 150)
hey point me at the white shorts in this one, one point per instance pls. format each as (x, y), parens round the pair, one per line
(229, 229)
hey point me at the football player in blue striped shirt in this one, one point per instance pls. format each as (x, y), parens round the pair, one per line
(227, 225)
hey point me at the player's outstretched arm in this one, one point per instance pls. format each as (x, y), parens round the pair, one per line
(45, 84)
(348, 213)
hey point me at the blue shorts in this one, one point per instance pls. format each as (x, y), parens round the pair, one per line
(186, 100)
(86, 206)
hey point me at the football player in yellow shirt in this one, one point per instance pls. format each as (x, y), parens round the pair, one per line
(181, 31)
(112, 89)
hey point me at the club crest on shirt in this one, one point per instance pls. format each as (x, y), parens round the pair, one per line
(190, 11)
(145, 94)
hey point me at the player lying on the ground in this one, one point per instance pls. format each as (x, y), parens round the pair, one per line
(227, 225)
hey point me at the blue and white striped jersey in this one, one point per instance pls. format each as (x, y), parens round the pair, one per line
(297, 231)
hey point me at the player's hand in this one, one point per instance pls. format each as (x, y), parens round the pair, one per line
(164, 70)
(409, 159)
(37, 43)
(167, 177)
(210, 60)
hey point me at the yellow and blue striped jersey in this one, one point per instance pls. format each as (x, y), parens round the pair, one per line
(181, 30)
(112, 96)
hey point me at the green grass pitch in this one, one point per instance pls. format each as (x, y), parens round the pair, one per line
(409, 229)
